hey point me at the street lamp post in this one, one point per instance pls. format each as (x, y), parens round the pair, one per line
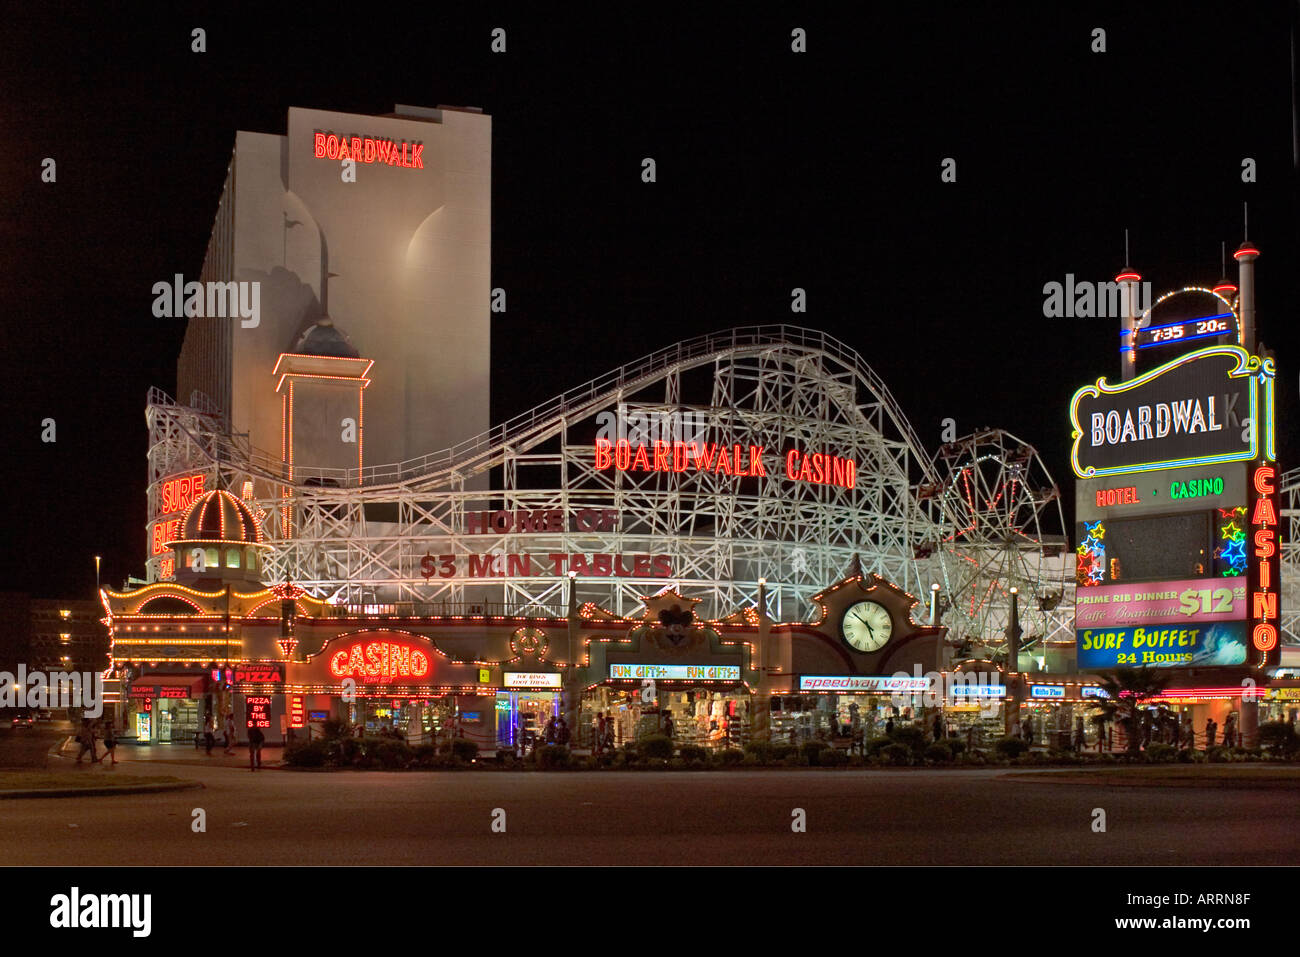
(1012, 722)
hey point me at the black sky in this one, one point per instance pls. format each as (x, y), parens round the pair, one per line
(775, 170)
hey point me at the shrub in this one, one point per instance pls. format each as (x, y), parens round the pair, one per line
(792, 760)
(760, 751)
(463, 750)
(896, 754)
(1279, 738)
(938, 753)
(811, 751)
(782, 751)
(975, 757)
(1011, 747)
(832, 758)
(1161, 753)
(1219, 755)
(309, 754)
(955, 745)
(551, 757)
(751, 760)
(731, 757)
(909, 736)
(691, 752)
(873, 745)
(658, 746)
(390, 753)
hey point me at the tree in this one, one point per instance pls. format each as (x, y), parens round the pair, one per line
(1127, 689)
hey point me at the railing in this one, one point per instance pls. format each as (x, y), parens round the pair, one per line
(627, 377)
(443, 609)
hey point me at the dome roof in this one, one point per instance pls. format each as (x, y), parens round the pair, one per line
(217, 516)
(323, 338)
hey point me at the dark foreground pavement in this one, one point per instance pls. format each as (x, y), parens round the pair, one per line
(738, 817)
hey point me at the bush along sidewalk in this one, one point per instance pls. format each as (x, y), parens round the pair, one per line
(658, 753)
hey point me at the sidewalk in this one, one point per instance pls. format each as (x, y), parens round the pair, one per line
(185, 754)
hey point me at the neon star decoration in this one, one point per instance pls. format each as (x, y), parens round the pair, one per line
(1231, 550)
(1090, 568)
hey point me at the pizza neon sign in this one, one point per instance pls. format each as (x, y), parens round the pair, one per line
(379, 662)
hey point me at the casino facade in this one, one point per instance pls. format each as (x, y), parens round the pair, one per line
(336, 530)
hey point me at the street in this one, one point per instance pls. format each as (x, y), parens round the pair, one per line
(737, 817)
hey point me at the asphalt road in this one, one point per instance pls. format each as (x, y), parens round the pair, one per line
(738, 817)
(26, 747)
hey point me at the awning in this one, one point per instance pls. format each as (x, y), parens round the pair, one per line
(168, 686)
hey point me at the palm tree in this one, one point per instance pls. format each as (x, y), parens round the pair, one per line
(1126, 690)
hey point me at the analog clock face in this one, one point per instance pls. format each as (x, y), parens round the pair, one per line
(867, 626)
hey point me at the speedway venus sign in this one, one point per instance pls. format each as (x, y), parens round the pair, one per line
(1210, 406)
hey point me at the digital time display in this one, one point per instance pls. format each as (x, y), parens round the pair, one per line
(1186, 330)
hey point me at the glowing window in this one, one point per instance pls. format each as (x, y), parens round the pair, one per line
(232, 557)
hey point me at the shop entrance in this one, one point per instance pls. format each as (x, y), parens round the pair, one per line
(176, 720)
(523, 716)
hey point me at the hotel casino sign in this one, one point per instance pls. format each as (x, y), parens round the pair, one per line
(1177, 521)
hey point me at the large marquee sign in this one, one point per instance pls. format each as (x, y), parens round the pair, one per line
(1211, 405)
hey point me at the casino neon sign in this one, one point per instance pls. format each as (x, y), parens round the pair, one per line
(1263, 578)
(380, 661)
(742, 461)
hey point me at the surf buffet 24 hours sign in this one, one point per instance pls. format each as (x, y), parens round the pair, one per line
(1211, 405)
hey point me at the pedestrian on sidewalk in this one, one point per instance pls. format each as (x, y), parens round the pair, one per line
(600, 732)
(86, 738)
(209, 739)
(110, 742)
(230, 732)
(255, 740)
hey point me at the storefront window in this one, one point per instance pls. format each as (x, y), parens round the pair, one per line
(702, 717)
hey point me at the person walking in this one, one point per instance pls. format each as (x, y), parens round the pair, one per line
(1079, 736)
(110, 742)
(550, 730)
(938, 728)
(86, 738)
(1209, 733)
(255, 740)
(668, 725)
(209, 739)
(889, 727)
(1230, 732)
(230, 732)
(600, 732)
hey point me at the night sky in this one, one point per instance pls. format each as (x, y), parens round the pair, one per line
(775, 170)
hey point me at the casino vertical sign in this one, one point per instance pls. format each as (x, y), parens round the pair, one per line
(1263, 581)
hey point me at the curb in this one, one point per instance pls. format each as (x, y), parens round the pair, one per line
(99, 792)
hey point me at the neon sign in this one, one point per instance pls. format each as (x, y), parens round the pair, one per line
(364, 149)
(179, 493)
(1117, 496)
(740, 461)
(380, 662)
(1199, 409)
(1263, 583)
(677, 672)
(297, 714)
(259, 711)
